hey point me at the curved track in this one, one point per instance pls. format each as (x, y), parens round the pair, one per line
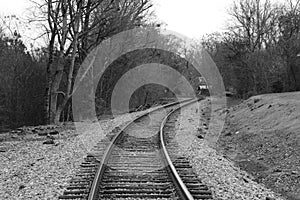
(136, 165)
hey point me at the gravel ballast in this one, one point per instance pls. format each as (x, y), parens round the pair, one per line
(33, 170)
(223, 177)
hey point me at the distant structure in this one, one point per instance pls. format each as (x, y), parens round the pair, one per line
(203, 88)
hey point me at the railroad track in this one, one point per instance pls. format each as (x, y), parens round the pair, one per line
(138, 162)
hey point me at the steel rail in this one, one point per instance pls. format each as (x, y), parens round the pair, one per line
(100, 171)
(182, 189)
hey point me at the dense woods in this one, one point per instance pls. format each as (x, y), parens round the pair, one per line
(259, 53)
(21, 83)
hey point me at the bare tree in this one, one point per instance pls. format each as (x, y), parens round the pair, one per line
(74, 27)
(253, 22)
(289, 26)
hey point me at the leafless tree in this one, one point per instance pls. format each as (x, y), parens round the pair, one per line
(254, 22)
(289, 45)
(74, 27)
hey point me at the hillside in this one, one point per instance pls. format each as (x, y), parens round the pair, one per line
(262, 136)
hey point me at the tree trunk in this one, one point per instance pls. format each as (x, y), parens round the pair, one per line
(57, 77)
(295, 77)
(55, 89)
(58, 114)
(68, 92)
(291, 74)
(47, 98)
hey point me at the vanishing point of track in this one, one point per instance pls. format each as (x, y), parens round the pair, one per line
(138, 162)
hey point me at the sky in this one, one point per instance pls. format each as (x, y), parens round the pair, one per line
(192, 18)
(13, 6)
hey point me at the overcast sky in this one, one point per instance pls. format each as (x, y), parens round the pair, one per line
(192, 18)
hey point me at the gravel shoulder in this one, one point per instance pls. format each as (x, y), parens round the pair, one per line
(223, 176)
(32, 170)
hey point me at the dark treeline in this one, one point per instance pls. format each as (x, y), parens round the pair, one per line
(151, 93)
(21, 84)
(37, 86)
(259, 53)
